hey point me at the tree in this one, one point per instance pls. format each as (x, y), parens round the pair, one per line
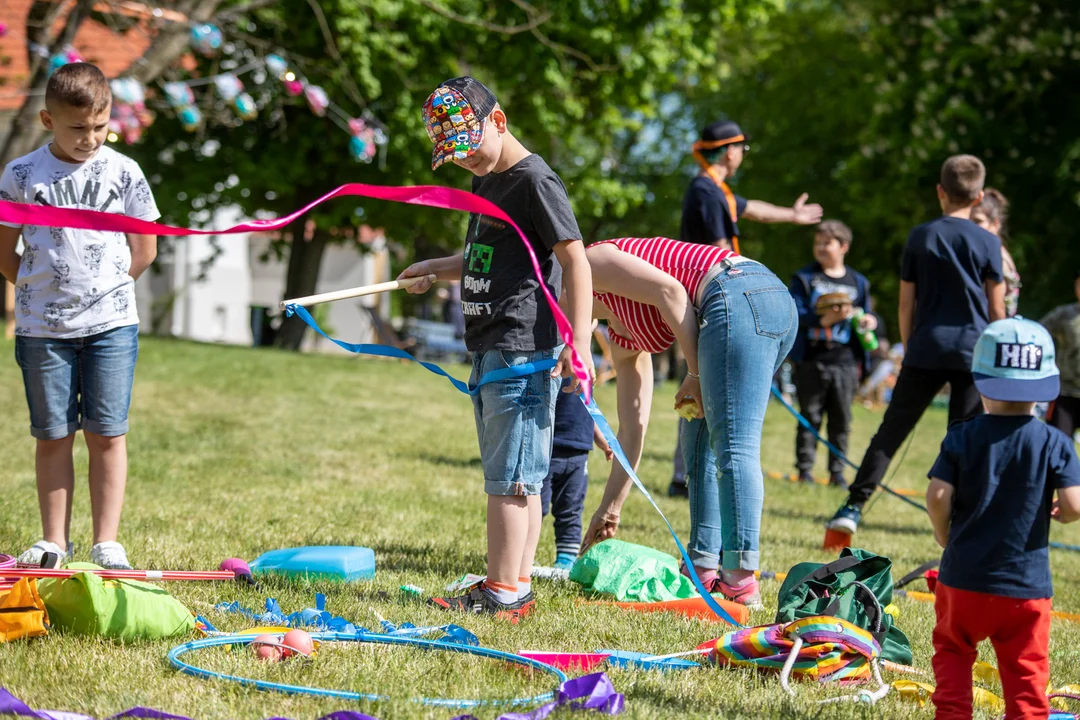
(57, 29)
(581, 81)
(860, 101)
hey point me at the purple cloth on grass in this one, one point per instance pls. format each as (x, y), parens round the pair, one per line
(590, 692)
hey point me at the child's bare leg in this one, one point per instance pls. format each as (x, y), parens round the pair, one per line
(536, 520)
(108, 480)
(55, 470)
(507, 536)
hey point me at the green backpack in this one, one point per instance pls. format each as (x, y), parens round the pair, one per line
(856, 587)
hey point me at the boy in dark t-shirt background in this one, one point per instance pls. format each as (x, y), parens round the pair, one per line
(991, 500)
(828, 356)
(950, 289)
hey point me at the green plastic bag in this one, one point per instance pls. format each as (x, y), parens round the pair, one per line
(855, 587)
(631, 573)
(85, 604)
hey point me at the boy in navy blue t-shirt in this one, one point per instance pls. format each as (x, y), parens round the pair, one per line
(950, 288)
(991, 499)
(563, 492)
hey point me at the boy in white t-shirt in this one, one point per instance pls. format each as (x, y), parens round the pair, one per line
(76, 334)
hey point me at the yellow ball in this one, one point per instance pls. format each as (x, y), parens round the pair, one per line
(688, 411)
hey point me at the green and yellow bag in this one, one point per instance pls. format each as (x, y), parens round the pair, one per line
(85, 604)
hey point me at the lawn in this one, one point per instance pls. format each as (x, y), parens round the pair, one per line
(237, 451)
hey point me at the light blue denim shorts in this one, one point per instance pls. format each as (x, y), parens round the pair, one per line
(79, 383)
(515, 422)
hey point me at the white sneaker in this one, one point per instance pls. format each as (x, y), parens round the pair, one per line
(33, 555)
(110, 555)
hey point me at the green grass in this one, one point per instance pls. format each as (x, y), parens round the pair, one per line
(236, 451)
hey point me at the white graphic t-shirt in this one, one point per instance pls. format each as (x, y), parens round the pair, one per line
(75, 283)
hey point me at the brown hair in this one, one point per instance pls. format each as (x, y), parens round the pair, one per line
(78, 85)
(962, 178)
(836, 230)
(994, 207)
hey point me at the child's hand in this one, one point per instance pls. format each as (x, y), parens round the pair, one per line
(420, 270)
(565, 368)
(1055, 511)
(602, 444)
(868, 322)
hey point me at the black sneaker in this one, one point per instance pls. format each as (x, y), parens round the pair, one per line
(480, 600)
(528, 604)
(806, 477)
(678, 489)
(836, 479)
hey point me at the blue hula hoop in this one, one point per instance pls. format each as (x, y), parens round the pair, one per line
(202, 643)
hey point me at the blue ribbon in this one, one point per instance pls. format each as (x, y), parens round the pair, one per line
(616, 449)
(518, 371)
(834, 450)
(393, 352)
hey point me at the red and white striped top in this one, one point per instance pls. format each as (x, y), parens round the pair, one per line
(686, 262)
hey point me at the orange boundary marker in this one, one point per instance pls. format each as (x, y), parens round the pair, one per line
(694, 607)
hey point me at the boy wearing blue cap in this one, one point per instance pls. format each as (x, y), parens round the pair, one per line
(991, 499)
(508, 323)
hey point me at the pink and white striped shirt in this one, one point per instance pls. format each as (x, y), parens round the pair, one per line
(686, 262)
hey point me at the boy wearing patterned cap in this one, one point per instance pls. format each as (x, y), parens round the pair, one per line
(991, 500)
(508, 322)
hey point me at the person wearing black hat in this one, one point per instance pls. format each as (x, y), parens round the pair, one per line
(711, 212)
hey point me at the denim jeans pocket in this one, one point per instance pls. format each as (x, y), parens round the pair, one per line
(772, 308)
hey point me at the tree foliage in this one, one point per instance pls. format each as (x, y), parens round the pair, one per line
(581, 82)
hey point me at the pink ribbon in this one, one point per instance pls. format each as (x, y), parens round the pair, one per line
(428, 195)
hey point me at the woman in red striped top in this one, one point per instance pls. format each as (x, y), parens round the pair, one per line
(735, 323)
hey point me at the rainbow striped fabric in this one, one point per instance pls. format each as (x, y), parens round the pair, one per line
(833, 649)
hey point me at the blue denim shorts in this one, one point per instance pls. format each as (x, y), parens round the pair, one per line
(515, 421)
(75, 383)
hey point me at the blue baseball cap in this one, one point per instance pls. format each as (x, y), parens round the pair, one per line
(1014, 362)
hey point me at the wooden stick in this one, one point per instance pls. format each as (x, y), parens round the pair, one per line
(356, 292)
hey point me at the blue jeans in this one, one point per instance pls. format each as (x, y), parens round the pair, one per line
(78, 383)
(515, 422)
(747, 324)
(564, 495)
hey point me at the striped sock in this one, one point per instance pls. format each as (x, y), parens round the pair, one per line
(524, 586)
(504, 593)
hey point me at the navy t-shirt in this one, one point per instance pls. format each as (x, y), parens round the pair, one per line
(948, 259)
(1004, 470)
(573, 423)
(705, 214)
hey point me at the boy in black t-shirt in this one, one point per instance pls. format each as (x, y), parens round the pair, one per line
(568, 479)
(991, 499)
(828, 355)
(950, 289)
(507, 323)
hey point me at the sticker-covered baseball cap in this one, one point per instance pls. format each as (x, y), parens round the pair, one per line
(454, 116)
(1014, 362)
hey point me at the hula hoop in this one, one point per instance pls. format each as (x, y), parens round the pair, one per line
(6, 561)
(188, 669)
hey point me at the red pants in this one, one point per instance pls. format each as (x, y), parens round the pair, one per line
(1020, 633)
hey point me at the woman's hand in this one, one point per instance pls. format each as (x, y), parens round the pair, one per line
(690, 391)
(604, 524)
